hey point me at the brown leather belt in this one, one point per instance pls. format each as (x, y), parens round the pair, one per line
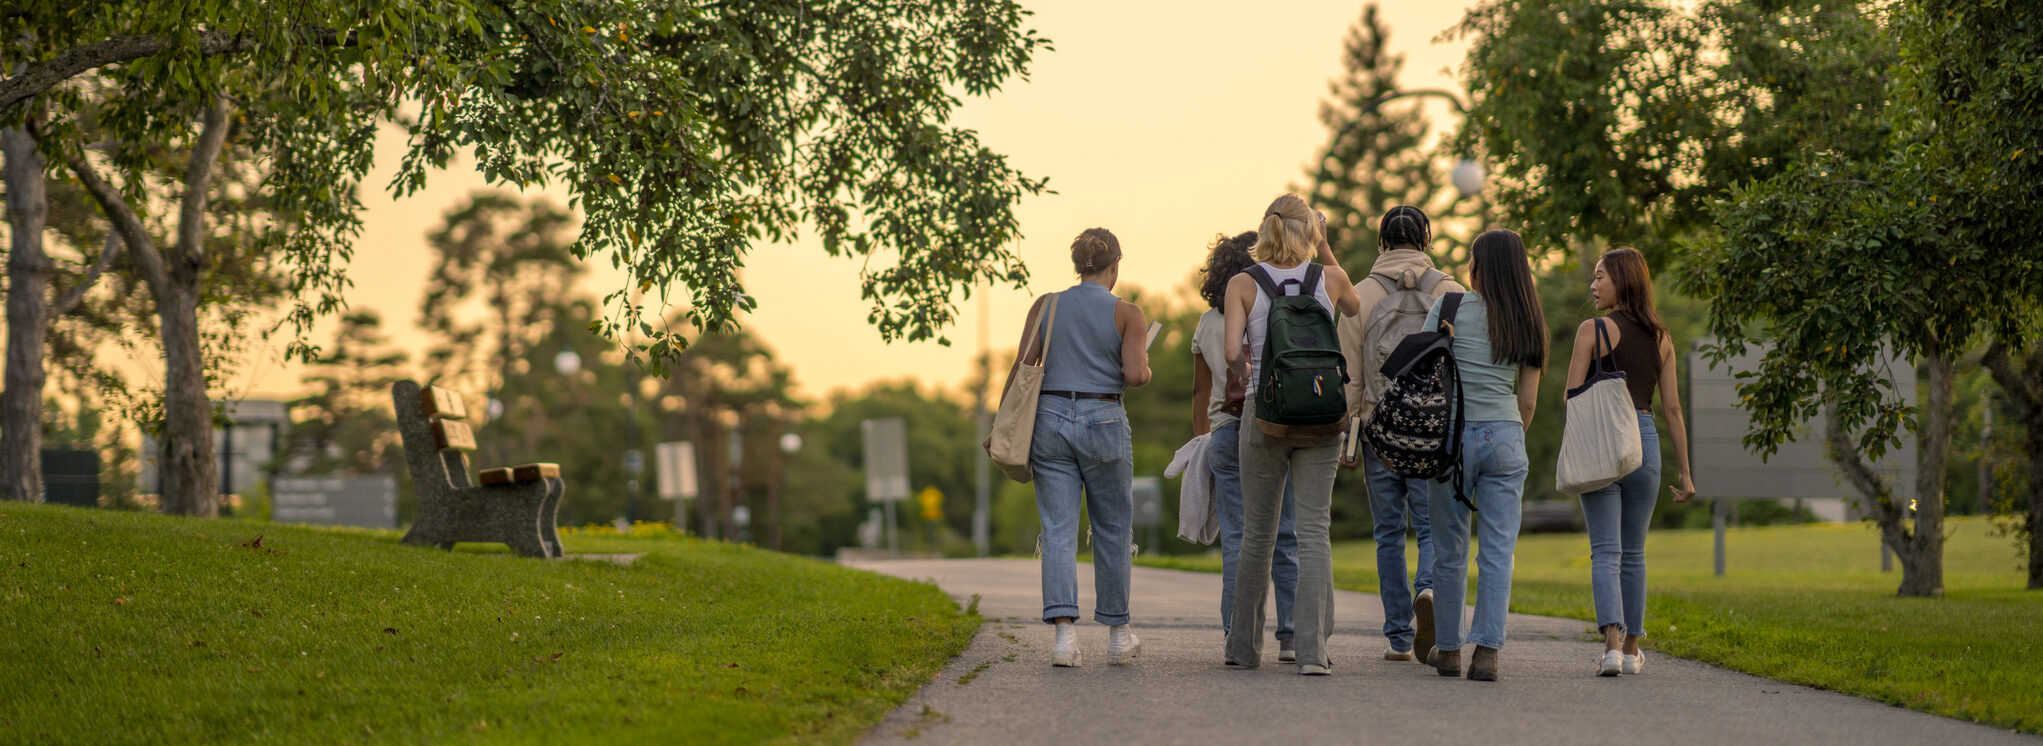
(1082, 395)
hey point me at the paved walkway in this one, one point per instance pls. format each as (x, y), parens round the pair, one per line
(1003, 690)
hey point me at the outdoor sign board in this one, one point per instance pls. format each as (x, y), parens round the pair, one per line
(886, 459)
(71, 477)
(364, 501)
(1801, 468)
(676, 470)
(1148, 494)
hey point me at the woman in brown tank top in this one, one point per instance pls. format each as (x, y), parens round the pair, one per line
(1617, 515)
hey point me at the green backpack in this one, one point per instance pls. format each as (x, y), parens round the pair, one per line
(1300, 391)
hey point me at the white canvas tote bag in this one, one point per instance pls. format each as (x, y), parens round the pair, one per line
(1600, 443)
(1014, 426)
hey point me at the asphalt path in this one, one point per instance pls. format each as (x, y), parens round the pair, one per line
(1003, 690)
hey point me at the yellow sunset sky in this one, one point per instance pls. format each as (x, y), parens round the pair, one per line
(1166, 122)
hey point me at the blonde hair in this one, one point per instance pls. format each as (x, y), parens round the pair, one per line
(1289, 233)
(1094, 250)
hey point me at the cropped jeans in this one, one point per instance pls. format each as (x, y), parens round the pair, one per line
(1268, 467)
(1081, 454)
(1390, 496)
(1223, 458)
(1617, 518)
(1493, 472)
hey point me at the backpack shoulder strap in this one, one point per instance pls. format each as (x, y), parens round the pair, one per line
(1449, 305)
(1390, 284)
(1262, 277)
(1431, 280)
(1311, 283)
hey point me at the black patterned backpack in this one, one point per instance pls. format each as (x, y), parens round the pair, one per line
(1416, 428)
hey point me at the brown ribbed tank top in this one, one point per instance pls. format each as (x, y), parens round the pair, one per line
(1638, 356)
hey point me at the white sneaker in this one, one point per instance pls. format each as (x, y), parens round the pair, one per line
(1065, 653)
(1394, 654)
(1632, 663)
(1287, 651)
(1122, 645)
(1314, 669)
(1612, 663)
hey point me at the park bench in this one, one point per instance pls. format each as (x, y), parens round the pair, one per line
(515, 505)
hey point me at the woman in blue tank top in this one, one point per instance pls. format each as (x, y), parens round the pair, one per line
(1082, 448)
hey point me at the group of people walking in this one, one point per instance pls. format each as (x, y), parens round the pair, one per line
(1272, 472)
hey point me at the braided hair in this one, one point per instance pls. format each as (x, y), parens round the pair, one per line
(1404, 225)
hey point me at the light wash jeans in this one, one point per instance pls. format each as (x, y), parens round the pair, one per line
(1080, 452)
(1268, 465)
(1390, 496)
(1223, 458)
(1617, 517)
(1494, 466)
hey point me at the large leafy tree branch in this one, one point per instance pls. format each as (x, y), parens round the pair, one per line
(685, 132)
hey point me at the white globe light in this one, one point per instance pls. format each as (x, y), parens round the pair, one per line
(790, 443)
(1468, 178)
(567, 362)
(496, 408)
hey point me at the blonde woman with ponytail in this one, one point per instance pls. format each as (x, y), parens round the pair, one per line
(1082, 449)
(1291, 237)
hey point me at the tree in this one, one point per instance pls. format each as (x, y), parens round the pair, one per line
(346, 423)
(1969, 142)
(516, 254)
(1375, 157)
(684, 132)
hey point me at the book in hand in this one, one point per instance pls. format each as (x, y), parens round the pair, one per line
(1154, 327)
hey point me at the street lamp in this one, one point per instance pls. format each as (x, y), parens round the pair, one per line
(1468, 177)
(567, 363)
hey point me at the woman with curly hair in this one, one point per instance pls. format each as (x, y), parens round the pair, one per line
(1212, 413)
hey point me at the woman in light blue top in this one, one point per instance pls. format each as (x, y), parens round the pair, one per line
(1500, 347)
(1082, 448)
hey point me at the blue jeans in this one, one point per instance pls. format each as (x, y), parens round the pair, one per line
(1617, 517)
(1223, 457)
(1081, 453)
(1389, 497)
(1494, 465)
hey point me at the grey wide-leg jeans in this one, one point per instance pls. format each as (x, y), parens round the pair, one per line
(1266, 465)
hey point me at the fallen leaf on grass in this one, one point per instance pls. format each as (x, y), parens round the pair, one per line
(198, 643)
(120, 602)
(730, 665)
(390, 630)
(256, 544)
(555, 658)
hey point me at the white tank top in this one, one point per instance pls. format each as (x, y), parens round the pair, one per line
(1259, 314)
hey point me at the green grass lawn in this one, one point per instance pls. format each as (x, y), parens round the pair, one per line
(125, 627)
(1806, 604)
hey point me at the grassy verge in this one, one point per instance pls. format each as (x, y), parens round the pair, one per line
(1805, 604)
(122, 627)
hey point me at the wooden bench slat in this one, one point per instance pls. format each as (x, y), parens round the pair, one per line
(535, 472)
(452, 434)
(443, 403)
(494, 476)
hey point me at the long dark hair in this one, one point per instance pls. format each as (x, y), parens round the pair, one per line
(1627, 270)
(1404, 226)
(1226, 258)
(1503, 277)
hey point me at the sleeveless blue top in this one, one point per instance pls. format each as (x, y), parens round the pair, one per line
(1085, 349)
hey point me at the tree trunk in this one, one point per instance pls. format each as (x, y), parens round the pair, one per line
(187, 464)
(28, 315)
(1925, 575)
(2024, 387)
(1920, 549)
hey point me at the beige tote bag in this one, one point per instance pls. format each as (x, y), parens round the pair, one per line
(1014, 426)
(1600, 443)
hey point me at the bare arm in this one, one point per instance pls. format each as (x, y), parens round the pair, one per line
(1528, 394)
(1677, 426)
(1202, 393)
(1339, 289)
(1578, 362)
(1240, 299)
(1134, 343)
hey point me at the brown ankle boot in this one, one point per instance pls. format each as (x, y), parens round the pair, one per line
(1483, 665)
(1447, 662)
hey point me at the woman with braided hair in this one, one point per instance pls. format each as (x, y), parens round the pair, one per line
(1400, 288)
